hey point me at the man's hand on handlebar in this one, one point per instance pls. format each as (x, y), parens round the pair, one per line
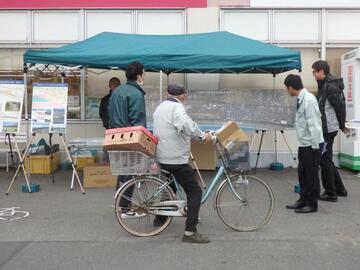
(207, 137)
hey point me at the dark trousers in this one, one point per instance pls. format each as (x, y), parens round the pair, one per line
(185, 176)
(124, 201)
(308, 170)
(330, 176)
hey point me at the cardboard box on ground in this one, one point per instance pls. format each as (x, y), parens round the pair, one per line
(98, 175)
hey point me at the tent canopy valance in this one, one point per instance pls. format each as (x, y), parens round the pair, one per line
(215, 52)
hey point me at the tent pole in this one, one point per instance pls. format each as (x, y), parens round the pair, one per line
(26, 102)
(82, 94)
(161, 86)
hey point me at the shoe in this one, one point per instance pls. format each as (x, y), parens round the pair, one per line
(328, 198)
(306, 209)
(159, 221)
(131, 214)
(296, 205)
(195, 238)
(342, 193)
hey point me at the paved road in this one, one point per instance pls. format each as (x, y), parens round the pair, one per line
(68, 230)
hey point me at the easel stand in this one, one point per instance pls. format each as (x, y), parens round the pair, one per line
(8, 136)
(275, 140)
(22, 158)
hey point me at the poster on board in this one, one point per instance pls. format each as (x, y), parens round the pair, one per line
(11, 102)
(49, 107)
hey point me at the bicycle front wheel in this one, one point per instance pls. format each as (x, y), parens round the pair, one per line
(132, 206)
(246, 204)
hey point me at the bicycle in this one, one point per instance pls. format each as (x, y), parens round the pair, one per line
(149, 194)
(12, 214)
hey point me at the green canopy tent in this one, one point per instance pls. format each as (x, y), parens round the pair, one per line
(216, 52)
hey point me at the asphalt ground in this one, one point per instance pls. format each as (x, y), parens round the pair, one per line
(69, 230)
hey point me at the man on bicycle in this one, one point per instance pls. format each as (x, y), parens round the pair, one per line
(174, 129)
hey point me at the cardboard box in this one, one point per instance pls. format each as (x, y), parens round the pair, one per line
(81, 162)
(41, 164)
(204, 155)
(131, 139)
(98, 175)
(229, 133)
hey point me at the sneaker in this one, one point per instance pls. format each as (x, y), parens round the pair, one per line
(131, 214)
(342, 193)
(195, 238)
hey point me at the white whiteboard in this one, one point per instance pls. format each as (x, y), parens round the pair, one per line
(253, 25)
(103, 21)
(296, 26)
(343, 26)
(160, 23)
(14, 27)
(56, 27)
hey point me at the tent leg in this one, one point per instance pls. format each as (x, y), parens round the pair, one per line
(161, 86)
(26, 102)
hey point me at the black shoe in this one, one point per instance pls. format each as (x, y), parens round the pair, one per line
(296, 205)
(328, 198)
(342, 193)
(196, 238)
(306, 209)
(159, 221)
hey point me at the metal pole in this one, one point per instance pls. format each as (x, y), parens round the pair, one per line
(26, 103)
(82, 94)
(161, 86)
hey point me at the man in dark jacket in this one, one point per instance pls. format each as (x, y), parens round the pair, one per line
(103, 111)
(333, 115)
(127, 108)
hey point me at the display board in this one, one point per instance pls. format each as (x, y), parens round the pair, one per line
(11, 102)
(49, 108)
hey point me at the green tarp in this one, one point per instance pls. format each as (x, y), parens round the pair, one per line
(216, 52)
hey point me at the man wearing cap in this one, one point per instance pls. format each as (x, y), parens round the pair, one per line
(174, 129)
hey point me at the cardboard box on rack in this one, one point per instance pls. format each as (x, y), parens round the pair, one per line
(98, 175)
(229, 133)
(204, 155)
(132, 139)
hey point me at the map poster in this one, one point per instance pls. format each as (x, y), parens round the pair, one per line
(49, 107)
(11, 102)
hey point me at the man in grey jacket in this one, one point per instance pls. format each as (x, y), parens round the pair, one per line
(174, 129)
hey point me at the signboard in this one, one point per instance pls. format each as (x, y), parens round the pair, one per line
(49, 107)
(11, 102)
(46, 4)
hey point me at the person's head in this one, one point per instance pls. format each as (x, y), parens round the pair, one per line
(113, 83)
(320, 70)
(293, 84)
(177, 91)
(135, 72)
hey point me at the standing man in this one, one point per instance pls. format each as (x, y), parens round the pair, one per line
(126, 109)
(174, 129)
(309, 133)
(103, 111)
(333, 114)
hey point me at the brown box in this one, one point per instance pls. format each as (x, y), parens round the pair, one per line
(81, 162)
(204, 155)
(98, 175)
(231, 132)
(41, 164)
(131, 139)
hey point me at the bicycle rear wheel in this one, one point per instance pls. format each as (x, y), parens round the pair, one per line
(132, 210)
(250, 213)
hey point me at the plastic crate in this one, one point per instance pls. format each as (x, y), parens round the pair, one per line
(41, 164)
(81, 162)
(131, 163)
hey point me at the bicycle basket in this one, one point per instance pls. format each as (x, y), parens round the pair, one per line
(131, 163)
(238, 156)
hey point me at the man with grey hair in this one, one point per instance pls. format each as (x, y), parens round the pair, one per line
(174, 129)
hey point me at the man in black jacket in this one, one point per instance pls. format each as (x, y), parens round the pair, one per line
(333, 115)
(103, 111)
